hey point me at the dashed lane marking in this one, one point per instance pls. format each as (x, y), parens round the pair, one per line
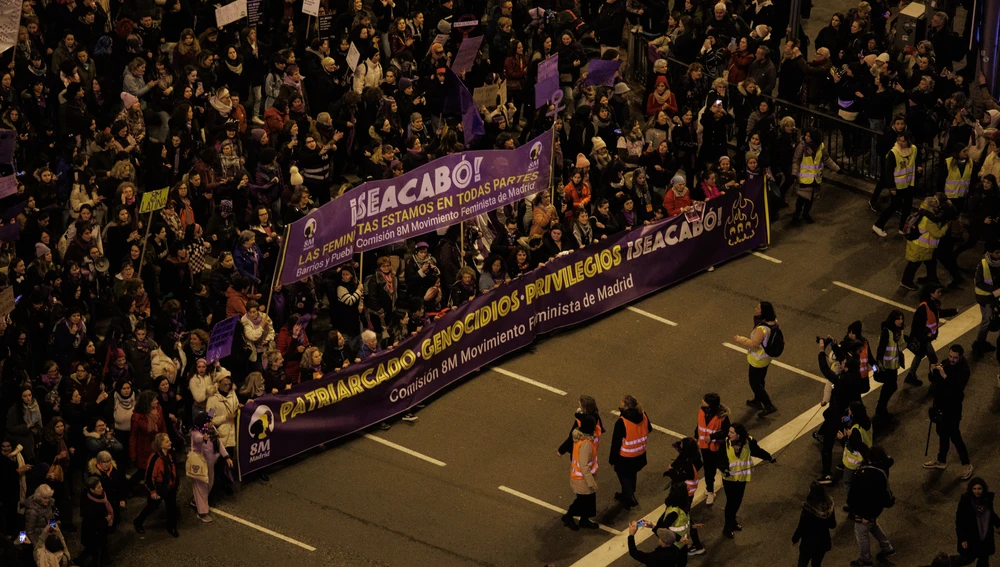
(616, 547)
(262, 529)
(906, 308)
(652, 316)
(527, 380)
(660, 429)
(766, 257)
(552, 507)
(780, 364)
(402, 449)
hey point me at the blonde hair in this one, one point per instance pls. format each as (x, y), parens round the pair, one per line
(787, 121)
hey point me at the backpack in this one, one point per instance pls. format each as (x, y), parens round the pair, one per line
(910, 226)
(775, 342)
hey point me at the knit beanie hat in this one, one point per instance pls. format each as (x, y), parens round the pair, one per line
(405, 83)
(257, 134)
(598, 143)
(677, 180)
(128, 99)
(582, 161)
(750, 156)
(294, 176)
(41, 250)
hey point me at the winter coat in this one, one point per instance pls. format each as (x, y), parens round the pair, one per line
(113, 482)
(225, 407)
(810, 191)
(967, 526)
(814, 527)
(588, 484)
(37, 516)
(144, 430)
(869, 492)
(94, 527)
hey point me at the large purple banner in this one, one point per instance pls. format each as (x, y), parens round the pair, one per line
(566, 291)
(435, 195)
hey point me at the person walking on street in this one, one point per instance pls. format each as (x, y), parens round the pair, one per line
(736, 464)
(765, 323)
(582, 471)
(857, 437)
(588, 406)
(807, 168)
(899, 175)
(684, 472)
(948, 382)
(628, 448)
(846, 386)
(924, 329)
(868, 497)
(713, 425)
(854, 333)
(96, 518)
(815, 522)
(987, 292)
(975, 522)
(891, 358)
(929, 229)
(161, 482)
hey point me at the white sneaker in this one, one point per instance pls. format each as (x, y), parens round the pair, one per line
(879, 231)
(710, 269)
(935, 464)
(709, 498)
(966, 472)
(206, 518)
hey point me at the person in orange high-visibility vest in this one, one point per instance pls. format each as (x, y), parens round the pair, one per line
(588, 406)
(583, 476)
(865, 353)
(684, 471)
(924, 329)
(713, 425)
(628, 448)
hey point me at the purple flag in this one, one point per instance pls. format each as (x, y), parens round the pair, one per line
(8, 138)
(602, 72)
(220, 342)
(9, 232)
(548, 80)
(8, 185)
(457, 96)
(12, 212)
(466, 55)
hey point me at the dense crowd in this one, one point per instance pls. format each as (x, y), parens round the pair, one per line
(105, 372)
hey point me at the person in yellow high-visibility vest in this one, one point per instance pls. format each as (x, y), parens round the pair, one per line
(930, 228)
(987, 292)
(765, 321)
(857, 437)
(899, 175)
(956, 177)
(736, 464)
(889, 358)
(807, 168)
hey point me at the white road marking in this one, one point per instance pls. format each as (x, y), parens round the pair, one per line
(262, 529)
(906, 308)
(400, 448)
(766, 257)
(552, 507)
(780, 364)
(527, 380)
(651, 316)
(660, 429)
(615, 548)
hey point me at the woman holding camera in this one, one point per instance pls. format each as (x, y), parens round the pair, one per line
(890, 358)
(846, 386)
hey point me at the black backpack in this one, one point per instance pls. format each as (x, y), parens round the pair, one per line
(775, 342)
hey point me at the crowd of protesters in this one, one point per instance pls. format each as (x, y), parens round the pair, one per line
(106, 379)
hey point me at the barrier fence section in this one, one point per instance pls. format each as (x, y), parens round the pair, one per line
(568, 290)
(852, 145)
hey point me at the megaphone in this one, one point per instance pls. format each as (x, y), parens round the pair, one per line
(102, 264)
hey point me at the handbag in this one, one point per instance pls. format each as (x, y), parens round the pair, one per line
(55, 473)
(914, 345)
(196, 467)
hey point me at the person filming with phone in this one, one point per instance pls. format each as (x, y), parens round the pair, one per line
(666, 553)
(948, 381)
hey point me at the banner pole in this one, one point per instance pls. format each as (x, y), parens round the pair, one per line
(552, 161)
(278, 267)
(461, 241)
(145, 239)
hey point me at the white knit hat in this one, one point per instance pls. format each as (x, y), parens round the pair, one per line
(295, 177)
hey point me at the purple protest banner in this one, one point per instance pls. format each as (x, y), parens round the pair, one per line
(602, 72)
(466, 55)
(548, 80)
(447, 191)
(8, 139)
(457, 98)
(568, 290)
(12, 212)
(318, 241)
(220, 342)
(8, 185)
(10, 232)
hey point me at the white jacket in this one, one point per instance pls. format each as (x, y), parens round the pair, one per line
(202, 386)
(224, 416)
(258, 336)
(367, 74)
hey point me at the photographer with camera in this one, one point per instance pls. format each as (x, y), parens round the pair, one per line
(868, 497)
(846, 386)
(421, 271)
(948, 381)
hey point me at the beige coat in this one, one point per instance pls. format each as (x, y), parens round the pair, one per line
(588, 484)
(224, 416)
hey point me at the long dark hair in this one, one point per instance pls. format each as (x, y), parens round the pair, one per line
(859, 415)
(767, 311)
(741, 432)
(678, 497)
(890, 322)
(974, 482)
(818, 499)
(145, 402)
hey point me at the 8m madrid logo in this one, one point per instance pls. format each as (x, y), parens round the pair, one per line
(261, 426)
